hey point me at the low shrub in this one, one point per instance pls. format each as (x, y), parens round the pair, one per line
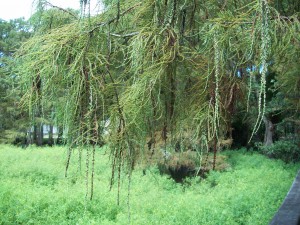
(288, 151)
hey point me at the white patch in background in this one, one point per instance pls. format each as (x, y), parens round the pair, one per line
(13, 9)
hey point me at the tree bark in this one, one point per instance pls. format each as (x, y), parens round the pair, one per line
(40, 135)
(59, 139)
(269, 131)
(29, 137)
(50, 140)
(34, 138)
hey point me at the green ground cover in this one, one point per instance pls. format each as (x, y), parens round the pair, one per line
(33, 190)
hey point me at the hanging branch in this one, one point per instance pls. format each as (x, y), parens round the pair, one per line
(118, 10)
(265, 42)
(68, 160)
(94, 144)
(118, 154)
(216, 125)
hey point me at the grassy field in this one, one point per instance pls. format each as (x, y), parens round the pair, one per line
(33, 190)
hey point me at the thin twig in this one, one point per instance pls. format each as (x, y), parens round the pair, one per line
(115, 18)
(125, 35)
(62, 9)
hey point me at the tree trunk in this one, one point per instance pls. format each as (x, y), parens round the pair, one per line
(50, 140)
(269, 131)
(40, 135)
(35, 136)
(29, 138)
(59, 139)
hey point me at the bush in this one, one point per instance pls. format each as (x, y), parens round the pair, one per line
(287, 151)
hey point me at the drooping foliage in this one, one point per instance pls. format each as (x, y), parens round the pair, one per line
(175, 68)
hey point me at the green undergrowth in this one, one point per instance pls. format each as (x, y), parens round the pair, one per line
(33, 190)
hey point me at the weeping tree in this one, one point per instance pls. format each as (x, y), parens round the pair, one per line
(152, 69)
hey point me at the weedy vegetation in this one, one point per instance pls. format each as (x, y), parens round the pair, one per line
(34, 190)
